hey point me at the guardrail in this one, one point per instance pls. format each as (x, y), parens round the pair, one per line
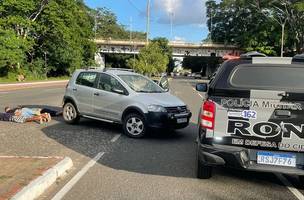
(171, 43)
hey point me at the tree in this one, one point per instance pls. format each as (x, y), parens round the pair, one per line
(151, 60)
(107, 27)
(45, 36)
(167, 50)
(295, 15)
(12, 51)
(65, 33)
(243, 22)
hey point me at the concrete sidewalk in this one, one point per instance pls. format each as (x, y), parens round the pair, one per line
(20, 86)
(28, 177)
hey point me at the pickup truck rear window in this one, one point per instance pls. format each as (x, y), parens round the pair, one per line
(268, 77)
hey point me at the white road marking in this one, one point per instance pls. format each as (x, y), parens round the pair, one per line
(201, 96)
(195, 91)
(77, 177)
(115, 138)
(290, 187)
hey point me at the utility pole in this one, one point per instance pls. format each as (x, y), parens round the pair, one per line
(148, 22)
(131, 29)
(95, 25)
(171, 23)
(282, 39)
(131, 40)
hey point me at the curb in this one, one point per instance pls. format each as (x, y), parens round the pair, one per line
(32, 83)
(42, 183)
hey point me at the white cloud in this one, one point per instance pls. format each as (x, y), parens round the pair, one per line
(181, 39)
(184, 12)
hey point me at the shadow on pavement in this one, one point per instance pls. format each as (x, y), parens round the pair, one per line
(160, 153)
(55, 108)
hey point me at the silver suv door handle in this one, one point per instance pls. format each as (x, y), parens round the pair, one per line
(74, 89)
(96, 94)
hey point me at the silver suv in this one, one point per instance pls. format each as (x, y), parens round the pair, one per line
(124, 97)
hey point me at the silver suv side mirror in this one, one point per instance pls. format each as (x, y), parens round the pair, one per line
(164, 83)
(202, 87)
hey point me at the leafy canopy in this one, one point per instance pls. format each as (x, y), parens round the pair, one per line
(151, 60)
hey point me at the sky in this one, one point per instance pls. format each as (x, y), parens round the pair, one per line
(188, 17)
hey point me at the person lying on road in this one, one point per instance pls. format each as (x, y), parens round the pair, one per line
(36, 111)
(22, 115)
(11, 117)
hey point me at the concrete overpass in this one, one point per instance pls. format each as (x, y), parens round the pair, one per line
(180, 49)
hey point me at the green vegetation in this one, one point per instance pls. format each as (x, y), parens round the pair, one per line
(52, 38)
(44, 38)
(257, 25)
(107, 27)
(153, 58)
(31, 79)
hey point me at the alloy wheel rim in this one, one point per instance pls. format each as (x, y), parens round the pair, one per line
(135, 126)
(70, 113)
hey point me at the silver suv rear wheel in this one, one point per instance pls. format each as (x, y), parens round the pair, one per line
(70, 114)
(134, 125)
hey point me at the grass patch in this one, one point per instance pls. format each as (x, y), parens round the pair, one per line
(7, 80)
(5, 177)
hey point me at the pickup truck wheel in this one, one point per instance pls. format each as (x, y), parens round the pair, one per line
(203, 171)
(301, 178)
(134, 125)
(70, 114)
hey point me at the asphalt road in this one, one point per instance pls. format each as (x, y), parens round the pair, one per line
(161, 166)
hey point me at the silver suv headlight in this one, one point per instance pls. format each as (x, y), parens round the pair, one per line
(156, 108)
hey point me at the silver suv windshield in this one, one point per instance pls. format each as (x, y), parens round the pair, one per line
(140, 83)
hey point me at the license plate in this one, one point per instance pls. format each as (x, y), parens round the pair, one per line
(182, 120)
(278, 159)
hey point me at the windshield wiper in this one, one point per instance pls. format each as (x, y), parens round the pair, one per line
(145, 91)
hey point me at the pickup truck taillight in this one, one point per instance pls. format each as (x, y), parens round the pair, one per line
(208, 114)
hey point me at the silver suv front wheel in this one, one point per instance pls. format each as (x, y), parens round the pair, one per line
(70, 114)
(134, 125)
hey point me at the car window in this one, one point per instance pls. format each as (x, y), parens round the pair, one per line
(268, 77)
(109, 83)
(86, 79)
(142, 84)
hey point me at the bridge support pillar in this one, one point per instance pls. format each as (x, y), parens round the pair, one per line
(100, 60)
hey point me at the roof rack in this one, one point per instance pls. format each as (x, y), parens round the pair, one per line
(91, 67)
(298, 58)
(252, 54)
(120, 69)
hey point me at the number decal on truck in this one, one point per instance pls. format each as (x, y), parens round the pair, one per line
(249, 114)
(246, 114)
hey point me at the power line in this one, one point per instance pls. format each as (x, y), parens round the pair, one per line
(131, 2)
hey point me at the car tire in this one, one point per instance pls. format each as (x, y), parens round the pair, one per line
(203, 171)
(301, 179)
(70, 113)
(134, 125)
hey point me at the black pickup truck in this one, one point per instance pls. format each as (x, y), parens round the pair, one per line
(253, 117)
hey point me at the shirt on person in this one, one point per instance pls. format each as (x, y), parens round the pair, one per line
(28, 112)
